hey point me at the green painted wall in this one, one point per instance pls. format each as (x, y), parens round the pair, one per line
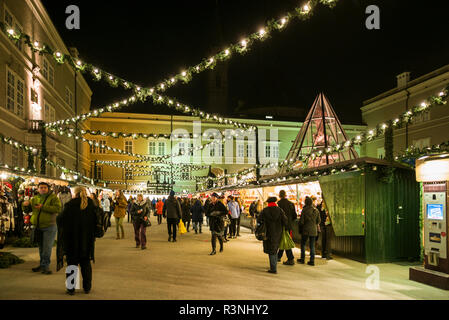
(345, 197)
(374, 221)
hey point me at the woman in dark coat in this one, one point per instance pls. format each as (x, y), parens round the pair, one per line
(216, 211)
(140, 214)
(197, 211)
(77, 224)
(274, 219)
(186, 217)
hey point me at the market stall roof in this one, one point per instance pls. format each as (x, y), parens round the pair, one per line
(281, 179)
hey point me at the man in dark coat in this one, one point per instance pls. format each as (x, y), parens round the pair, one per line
(310, 219)
(76, 233)
(216, 211)
(172, 211)
(275, 220)
(197, 216)
(290, 211)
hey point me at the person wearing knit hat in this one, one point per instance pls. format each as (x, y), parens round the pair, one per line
(274, 219)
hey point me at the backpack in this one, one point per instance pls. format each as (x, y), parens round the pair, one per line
(102, 222)
(261, 231)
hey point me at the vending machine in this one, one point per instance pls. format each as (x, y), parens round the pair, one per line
(435, 226)
(433, 172)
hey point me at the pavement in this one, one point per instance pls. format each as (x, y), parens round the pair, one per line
(184, 271)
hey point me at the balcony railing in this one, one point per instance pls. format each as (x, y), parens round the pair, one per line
(34, 126)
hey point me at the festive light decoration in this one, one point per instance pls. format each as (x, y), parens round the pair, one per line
(415, 153)
(179, 167)
(142, 96)
(70, 132)
(187, 74)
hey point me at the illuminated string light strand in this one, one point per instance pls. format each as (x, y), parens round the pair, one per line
(185, 76)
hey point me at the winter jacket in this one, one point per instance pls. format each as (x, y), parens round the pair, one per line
(216, 213)
(186, 216)
(197, 211)
(275, 221)
(49, 211)
(172, 209)
(120, 207)
(139, 217)
(310, 219)
(76, 230)
(159, 207)
(289, 209)
(234, 208)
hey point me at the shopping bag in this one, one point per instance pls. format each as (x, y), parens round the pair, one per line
(181, 227)
(286, 241)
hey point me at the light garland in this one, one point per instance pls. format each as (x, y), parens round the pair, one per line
(70, 132)
(414, 152)
(185, 76)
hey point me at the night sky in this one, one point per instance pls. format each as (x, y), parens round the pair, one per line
(147, 41)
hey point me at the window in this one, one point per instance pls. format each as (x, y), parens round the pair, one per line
(212, 150)
(11, 91)
(93, 148)
(222, 150)
(14, 156)
(15, 91)
(422, 143)
(99, 173)
(129, 146)
(161, 148)
(100, 149)
(275, 152)
(19, 98)
(128, 174)
(48, 71)
(69, 97)
(18, 29)
(185, 175)
(181, 148)
(152, 148)
(380, 153)
(240, 151)
(422, 117)
(49, 113)
(11, 22)
(249, 150)
(8, 19)
(191, 150)
(267, 151)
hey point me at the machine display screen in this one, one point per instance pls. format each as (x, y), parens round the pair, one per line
(435, 211)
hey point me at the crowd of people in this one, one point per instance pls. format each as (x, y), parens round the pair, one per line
(280, 216)
(76, 222)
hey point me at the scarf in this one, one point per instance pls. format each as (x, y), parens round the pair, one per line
(272, 204)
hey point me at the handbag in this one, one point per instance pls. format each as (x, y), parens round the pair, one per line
(286, 241)
(261, 231)
(147, 222)
(36, 233)
(182, 228)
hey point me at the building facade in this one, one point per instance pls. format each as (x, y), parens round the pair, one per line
(235, 154)
(36, 88)
(426, 130)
